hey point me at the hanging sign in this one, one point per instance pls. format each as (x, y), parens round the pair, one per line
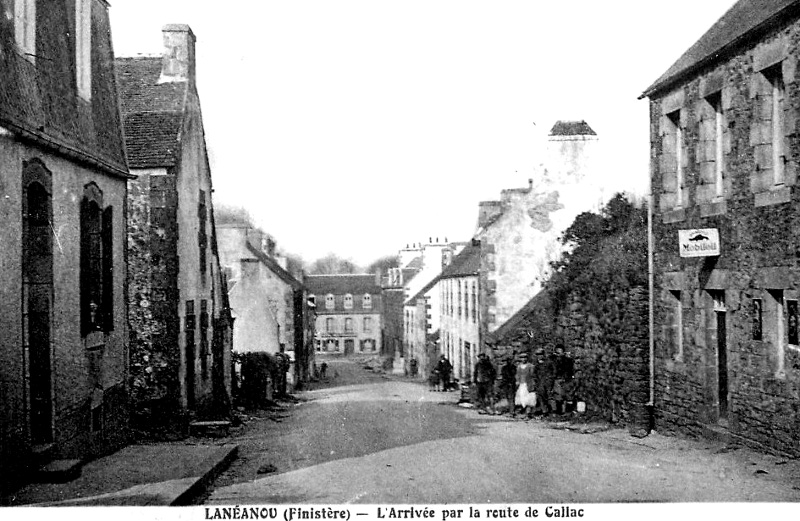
(703, 242)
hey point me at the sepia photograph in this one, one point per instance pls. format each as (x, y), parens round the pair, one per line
(448, 260)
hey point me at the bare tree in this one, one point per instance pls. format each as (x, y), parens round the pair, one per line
(382, 264)
(332, 264)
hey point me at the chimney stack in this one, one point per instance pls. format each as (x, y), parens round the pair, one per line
(178, 60)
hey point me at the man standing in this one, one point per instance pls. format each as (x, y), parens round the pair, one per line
(508, 377)
(544, 376)
(483, 376)
(564, 374)
(284, 364)
(444, 369)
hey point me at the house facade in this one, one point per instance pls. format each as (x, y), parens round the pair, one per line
(63, 174)
(519, 233)
(269, 304)
(724, 134)
(348, 311)
(460, 315)
(179, 315)
(422, 319)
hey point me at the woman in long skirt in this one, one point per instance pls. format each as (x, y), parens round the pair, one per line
(526, 396)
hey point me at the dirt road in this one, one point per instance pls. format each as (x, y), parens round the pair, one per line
(366, 438)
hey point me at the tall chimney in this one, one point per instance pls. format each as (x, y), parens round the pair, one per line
(178, 60)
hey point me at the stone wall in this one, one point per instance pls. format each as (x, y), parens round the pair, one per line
(153, 292)
(754, 284)
(392, 320)
(597, 306)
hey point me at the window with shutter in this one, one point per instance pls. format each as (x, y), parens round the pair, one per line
(108, 268)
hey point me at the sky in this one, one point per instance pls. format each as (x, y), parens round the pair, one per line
(357, 127)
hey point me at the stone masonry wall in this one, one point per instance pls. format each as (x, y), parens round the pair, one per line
(598, 308)
(756, 278)
(152, 291)
(608, 339)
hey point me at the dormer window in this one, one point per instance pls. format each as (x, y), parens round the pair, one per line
(83, 48)
(329, 301)
(348, 301)
(366, 301)
(25, 27)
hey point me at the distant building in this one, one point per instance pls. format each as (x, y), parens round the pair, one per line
(519, 236)
(422, 319)
(348, 313)
(724, 132)
(421, 309)
(179, 314)
(269, 304)
(64, 340)
(460, 331)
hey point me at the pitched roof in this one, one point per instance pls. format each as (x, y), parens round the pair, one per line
(467, 262)
(745, 20)
(341, 284)
(40, 102)
(276, 268)
(421, 293)
(572, 128)
(517, 319)
(152, 113)
(408, 275)
(415, 263)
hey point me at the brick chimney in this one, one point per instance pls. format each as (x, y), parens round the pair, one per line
(178, 60)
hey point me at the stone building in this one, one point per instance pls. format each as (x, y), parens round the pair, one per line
(179, 315)
(269, 304)
(348, 310)
(724, 149)
(63, 173)
(421, 324)
(519, 236)
(459, 310)
(393, 290)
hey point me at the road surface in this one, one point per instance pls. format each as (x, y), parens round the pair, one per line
(367, 438)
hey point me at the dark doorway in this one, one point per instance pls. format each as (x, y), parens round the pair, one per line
(37, 307)
(349, 346)
(722, 364)
(189, 353)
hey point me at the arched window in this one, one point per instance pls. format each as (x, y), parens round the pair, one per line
(329, 301)
(37, 294)
(91, 258)
(366, 301)
(348, 301)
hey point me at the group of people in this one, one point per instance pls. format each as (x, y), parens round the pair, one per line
(542, 386)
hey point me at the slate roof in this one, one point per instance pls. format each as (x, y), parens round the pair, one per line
(743, 23)
(498, 336)
(572, 128)
(415, 263)
(39, 101)
(276, 268)
(421, 293)
(409, 274)
(466, 263)
(355, 284)
(152, 113)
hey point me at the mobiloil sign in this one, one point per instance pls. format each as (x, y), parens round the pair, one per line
(702, 242)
